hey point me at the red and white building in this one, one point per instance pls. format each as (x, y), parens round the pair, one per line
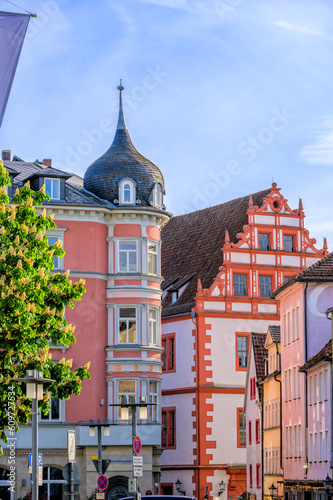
(220, 266)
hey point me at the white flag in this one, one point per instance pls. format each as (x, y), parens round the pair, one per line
(12, 32)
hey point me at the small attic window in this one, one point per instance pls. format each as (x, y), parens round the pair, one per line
(174, 296)
(126, 192)
(52, 188)
(158, 196)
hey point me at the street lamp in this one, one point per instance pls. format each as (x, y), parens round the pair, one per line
(272, 489)
(222, 486)
(34, 381)
(128, 408)
(327, 483)
(178, 485)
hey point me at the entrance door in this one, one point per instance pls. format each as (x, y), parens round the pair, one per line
(5, 494)
(118, 488)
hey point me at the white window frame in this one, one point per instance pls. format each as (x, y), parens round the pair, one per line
(53, 181)
(153, 327)
(310, 391)
(59, 234)
(119, 394)
(48, 418)
(119, 251)
(122, 186)
(315, 378)
(158, 195)
(154, 397)
(155, 256)
(326, 384)
(127, 319)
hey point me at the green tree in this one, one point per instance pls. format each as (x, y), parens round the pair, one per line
(32, 306)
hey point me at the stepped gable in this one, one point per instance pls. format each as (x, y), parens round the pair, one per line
(121, 161)
(191, 246)
(260, 354)
(320, 271)
(325, 354)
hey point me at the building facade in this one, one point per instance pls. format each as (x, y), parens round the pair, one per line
(305, 331)
(110, 225)
(253, 413)
(212, 300)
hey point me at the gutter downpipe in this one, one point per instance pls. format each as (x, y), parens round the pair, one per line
(329, 315)
(306, 376)
(195, 322)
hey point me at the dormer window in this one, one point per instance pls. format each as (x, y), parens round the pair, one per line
(127, 192)
(158, 196)
(52, 188)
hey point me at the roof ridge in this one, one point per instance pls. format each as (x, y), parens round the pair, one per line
(319, 263)
(221, 204)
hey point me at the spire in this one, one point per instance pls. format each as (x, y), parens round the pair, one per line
(300, 204)
(121, 119)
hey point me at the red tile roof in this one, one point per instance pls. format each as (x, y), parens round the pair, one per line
(324, 355)
(260, 353)
(192, 246)
(320, 271)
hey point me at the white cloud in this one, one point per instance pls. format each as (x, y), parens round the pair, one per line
(320, 151)
(302, 29)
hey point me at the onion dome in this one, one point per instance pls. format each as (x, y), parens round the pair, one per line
(122, 175)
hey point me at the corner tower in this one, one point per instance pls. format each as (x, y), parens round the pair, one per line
(133, 188)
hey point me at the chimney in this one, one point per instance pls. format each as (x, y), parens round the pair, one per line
(47, 162)
(5, 155)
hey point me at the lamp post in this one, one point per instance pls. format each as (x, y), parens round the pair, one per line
(128, 408)
(34, 381)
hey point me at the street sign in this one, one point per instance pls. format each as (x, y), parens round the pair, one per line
(149, 492)
(131, 485)
(66, 472)
(40, 476)
(100, 495)
(40, 459)
(71, 446)
(137, 471)
(102, 482)
(138, 460)
(105, 464)
(137, 446)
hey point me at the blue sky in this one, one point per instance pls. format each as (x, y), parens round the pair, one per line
(223, 95)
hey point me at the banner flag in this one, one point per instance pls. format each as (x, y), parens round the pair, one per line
(13, 28)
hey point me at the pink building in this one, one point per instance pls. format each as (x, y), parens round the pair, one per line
(305, 330)
(110, 228)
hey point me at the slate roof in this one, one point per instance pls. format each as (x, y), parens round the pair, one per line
(320, 271)
(74, 193)
(324, 355)
(260, 354)
(191, 245)
(49, 172)
(275, 333)
(122, 160)
(24, 169)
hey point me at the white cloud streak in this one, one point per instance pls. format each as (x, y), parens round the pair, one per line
(320, 151)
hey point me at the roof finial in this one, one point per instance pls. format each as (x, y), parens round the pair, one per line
(300, 204)
(121, 119)
(250, 201)
(325, 245)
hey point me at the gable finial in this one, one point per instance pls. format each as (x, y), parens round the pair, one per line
(121, 125)
(325, 247)
(250, 201)
(300, 204)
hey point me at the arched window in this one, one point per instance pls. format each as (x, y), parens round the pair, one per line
(53, 481)
(5, 492)
(126, 192)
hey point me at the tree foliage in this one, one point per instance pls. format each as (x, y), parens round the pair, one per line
(32, 305)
